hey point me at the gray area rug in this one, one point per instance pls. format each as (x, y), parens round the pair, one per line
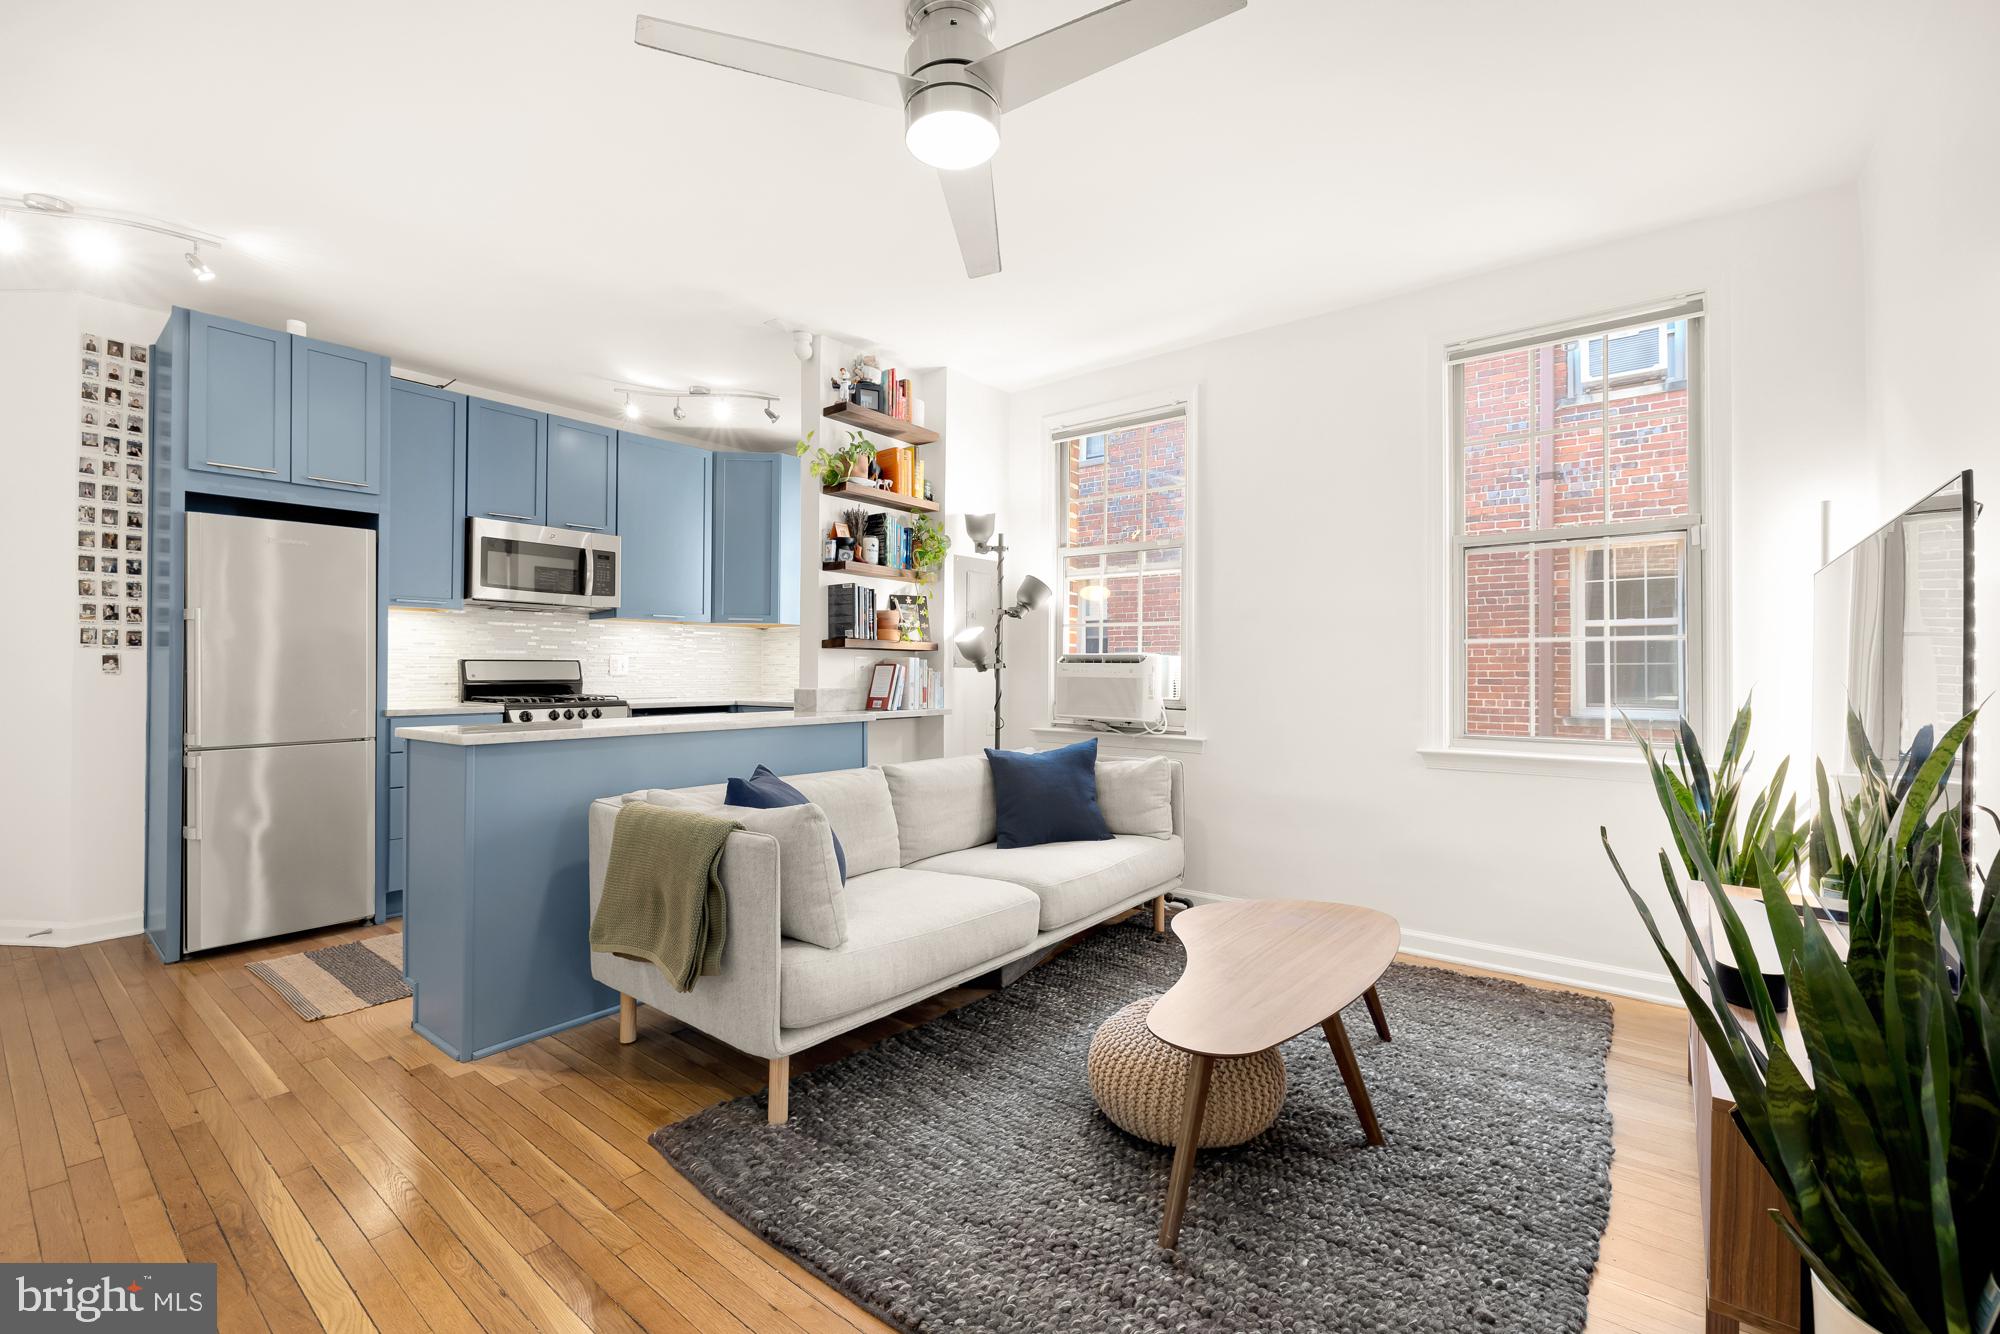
(959, 1177)
(338, 979)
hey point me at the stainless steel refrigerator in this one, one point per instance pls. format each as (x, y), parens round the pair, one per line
(279, 721)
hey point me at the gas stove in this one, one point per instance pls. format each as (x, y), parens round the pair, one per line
(535, 690)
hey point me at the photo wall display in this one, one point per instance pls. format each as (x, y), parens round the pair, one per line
(115, 382)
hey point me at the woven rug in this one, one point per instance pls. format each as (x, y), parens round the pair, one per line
(338, 979)
(959, 1177)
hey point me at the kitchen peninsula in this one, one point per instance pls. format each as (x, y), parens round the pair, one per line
(497, 921)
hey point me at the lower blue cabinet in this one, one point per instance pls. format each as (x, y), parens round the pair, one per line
(664, 494)
(394, 868)
(754, 575)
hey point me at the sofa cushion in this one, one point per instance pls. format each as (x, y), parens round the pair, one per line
(1137, 796)
(1072, 880)
(906, 929)
(764, 790)
(941, 805)
(1049, 797)
(856, 801)
(811, 904)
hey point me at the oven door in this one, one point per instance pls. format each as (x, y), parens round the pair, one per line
(520, 563)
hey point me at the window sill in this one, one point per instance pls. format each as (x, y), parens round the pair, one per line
(1165, 742)
(1554, 764)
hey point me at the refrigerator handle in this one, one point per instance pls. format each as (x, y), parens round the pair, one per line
(190, 813)
(190, 674)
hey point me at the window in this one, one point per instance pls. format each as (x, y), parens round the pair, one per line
(1577, 533)
(1125, 539)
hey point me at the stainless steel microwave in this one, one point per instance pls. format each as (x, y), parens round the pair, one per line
(524, 563)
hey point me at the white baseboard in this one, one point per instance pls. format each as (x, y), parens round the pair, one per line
(60, 935)
(1583, 974)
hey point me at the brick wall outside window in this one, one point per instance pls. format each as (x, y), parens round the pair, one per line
(1136, 492)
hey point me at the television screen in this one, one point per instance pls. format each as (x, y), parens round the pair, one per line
(1892, 643)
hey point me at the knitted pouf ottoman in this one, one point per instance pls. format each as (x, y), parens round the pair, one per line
(1137, 1079)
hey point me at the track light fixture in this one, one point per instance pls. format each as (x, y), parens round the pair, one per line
(93, 243)
(720, 403)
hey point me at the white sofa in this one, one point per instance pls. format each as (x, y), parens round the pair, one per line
(930, 902)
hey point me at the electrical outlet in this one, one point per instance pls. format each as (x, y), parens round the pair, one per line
(620, 665)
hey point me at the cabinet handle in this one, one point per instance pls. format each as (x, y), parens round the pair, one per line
(587, 527)
(240, 467)
(332, 481)
(419, 602)
(503, 514)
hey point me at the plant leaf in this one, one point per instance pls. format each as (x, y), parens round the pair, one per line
(1916, 803)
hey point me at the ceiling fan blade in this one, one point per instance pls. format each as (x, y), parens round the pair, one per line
(1020, 73)
(807, 68)
(969, 196)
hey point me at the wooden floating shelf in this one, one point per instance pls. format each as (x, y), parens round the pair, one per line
(881, 423)
(870, 571)
(880, 645)
(872, 495)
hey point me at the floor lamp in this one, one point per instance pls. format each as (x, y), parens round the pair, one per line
(981, 647)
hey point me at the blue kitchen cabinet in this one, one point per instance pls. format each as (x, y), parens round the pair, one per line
(663, 529)
(338, 416)
(754, 544)
(423, 545)
(583, 476)
(395, 865)
(239, 405)
(506, 462)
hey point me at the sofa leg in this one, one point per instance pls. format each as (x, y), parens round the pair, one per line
(628, 1019)
(1160, 915)
(780, 1090)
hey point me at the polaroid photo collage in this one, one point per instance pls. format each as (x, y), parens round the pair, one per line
(111, 465)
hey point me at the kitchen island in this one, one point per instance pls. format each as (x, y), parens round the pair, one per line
(496, 922)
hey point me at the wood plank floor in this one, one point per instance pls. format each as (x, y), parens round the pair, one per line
(347, 1175)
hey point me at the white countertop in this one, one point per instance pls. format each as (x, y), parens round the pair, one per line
(501, 734)
(437, 710)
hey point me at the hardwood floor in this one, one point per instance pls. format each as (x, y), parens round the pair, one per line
(347, 1174)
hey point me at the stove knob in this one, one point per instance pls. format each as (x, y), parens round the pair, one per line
(597, 713)
(569, 713)
(524, 716)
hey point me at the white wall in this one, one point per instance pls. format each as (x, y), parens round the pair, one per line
(72, 781)
(1930, 195)
(1317, 662)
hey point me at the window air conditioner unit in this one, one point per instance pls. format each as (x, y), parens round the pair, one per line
(1111, 688)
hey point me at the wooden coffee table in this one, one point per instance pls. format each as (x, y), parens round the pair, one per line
(1260, 972)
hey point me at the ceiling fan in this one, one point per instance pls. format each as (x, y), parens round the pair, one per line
(955, 84)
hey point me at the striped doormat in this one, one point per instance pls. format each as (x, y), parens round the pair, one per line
(338, 979)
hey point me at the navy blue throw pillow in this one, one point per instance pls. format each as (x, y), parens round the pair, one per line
(764, 790)
(1046, 798)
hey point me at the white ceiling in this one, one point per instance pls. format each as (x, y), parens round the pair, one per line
(515, 194)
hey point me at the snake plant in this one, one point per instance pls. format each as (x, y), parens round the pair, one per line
(1714, 804)
(1880, 1120)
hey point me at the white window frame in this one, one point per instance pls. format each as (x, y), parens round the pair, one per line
(1694, 525)
(1104, 419)
(1656, 371)
(1579, 634)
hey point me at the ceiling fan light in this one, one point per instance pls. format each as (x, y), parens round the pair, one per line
(953, 127)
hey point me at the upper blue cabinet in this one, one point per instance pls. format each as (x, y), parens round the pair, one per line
(423, 547)
(239, 406)
(506, 462)
(663, 527)
(755, 540)
(583, 476)
(339, 415)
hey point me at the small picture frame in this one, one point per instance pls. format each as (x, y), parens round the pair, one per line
(87, 440)
(86, 564)
(111, 445)
(86, 635)
(114, 348)
(135, 472)
(91, 392)
(113, 395)
(107, 611)
(134, 542)
(135, 567)
(135, 615)
(135, 639)
(86, 514)
(107, 663)
(91, 368)
(134, 496)
(137, 354)
(135, 400)
(91, 345)
(90, 416)
(881, 685)
(86, 611)
(136, 377)
(135, 424)
(135, 449)
(88, 490)
(114, 370)
(135, 518)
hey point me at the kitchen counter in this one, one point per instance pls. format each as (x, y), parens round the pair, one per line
(501, 734)
(439, 710)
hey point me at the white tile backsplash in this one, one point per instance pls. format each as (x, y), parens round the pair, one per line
(667, 661)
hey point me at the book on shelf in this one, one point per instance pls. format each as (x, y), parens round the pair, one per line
(850, 611)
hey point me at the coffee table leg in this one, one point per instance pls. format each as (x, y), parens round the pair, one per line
(1350, 1071)
(1374, 1001)
(1194, 1101)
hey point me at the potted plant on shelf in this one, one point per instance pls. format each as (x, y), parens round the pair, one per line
(1883, 1133)
(834, 466)
(928, 544)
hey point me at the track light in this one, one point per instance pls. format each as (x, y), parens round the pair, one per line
(92, 241)
(770, 415)
(680, 413)
(199, 266)
(631, 409)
